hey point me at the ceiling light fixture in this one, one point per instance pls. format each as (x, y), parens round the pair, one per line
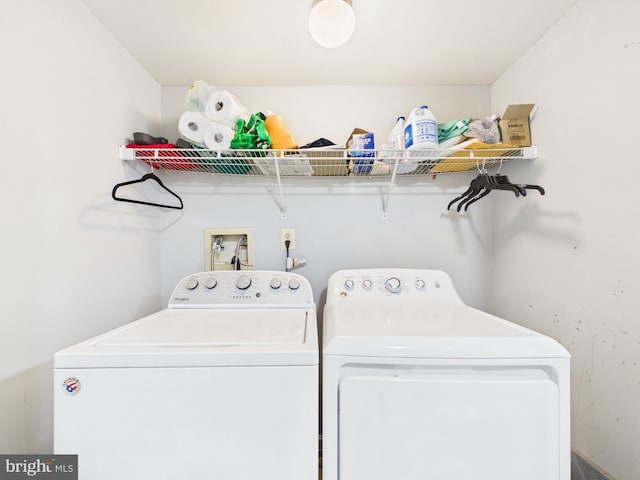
(332, 22)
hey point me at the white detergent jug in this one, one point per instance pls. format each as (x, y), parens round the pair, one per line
(421, 130)
(396, 143)
(396, 136)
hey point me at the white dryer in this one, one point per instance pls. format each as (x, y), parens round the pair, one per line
(417, 385)
(222, 384)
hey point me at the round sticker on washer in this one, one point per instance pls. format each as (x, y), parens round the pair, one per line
(71, 385)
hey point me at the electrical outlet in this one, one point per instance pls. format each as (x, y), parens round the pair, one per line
(288, 234)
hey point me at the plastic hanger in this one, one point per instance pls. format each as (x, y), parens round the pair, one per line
(483, 184)
(144, 178)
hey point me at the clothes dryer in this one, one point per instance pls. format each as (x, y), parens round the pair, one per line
(221, 384)
(418, 385)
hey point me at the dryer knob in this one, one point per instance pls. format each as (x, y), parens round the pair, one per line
(211, 283)
(367, 284)
(392, 285)
(276, 283)
(294, 284)
(348, 284)
(191, 284)
(420, 284)
(243, 282)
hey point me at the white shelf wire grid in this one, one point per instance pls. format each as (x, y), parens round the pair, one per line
(325, 162)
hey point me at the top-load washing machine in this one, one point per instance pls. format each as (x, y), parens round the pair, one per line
(222, 384)
(417, 385)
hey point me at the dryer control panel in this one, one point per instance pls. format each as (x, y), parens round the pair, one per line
(229, 289)
(377, 284)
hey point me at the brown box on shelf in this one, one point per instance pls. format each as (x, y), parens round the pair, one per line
(515, 125)
(327, 162)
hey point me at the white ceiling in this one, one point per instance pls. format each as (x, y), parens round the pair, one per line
(266, 42)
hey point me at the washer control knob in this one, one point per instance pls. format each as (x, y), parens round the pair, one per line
(276, 283)
(211, 283)
(191, 283)
(294, 284)
(348, 284)
(367, 284)
(392, 284)
(420, 284)
(243, 282)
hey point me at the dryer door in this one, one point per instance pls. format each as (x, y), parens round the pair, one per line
(450, 424)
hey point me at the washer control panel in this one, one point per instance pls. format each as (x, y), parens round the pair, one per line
(229, 289)
(374, 284)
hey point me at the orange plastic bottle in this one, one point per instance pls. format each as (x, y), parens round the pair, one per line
(281, 137)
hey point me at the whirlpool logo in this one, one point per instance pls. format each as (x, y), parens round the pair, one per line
(52, 467)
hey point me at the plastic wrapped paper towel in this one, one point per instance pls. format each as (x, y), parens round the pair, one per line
(218, 137)
(197, 96)
(224, 108)
(192, 126)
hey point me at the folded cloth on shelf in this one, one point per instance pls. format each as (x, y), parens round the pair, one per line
(227, 163)
(163, 155)
(320, 142)
(486, 130)
(451, 129)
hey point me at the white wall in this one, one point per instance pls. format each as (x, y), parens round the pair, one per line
(338, 222)
(73, 262)
(567, 263)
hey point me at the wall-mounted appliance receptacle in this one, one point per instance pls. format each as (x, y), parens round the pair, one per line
(288, 234)
(228, 248)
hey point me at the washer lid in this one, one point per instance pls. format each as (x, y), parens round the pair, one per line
(203, 337)
(433, 330)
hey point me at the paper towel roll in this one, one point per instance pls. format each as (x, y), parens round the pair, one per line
(218, 137)
(192, 126)
(224, 108)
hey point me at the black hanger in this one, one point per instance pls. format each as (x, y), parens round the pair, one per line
(148, 176)
(483, 184)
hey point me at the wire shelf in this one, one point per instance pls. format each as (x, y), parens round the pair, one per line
(325, 162)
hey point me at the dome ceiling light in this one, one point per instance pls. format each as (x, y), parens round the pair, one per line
(332, 22)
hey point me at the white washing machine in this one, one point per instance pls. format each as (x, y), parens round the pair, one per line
(222, 384)
(417, 385)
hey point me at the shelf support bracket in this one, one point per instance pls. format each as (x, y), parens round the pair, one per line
(385, 199)
(280, 194)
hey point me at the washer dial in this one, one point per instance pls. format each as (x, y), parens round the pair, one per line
(191, 283)
(294, 284)
(392, 284)
(211, 283)
(275, 283)
(243, 282)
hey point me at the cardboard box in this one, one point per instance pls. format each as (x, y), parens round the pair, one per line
(358, 143)
(515, 125)
(328, 161)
